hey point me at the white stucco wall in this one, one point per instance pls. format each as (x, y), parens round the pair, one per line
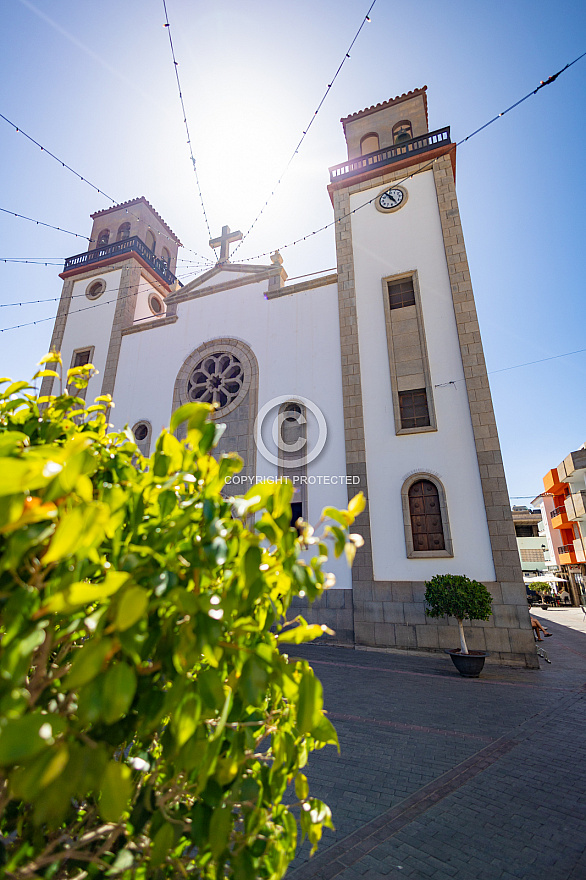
(142, 311)
(388, 244)
(90, 323)
(296, 342)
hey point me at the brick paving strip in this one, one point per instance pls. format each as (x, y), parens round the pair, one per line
(337, 858)
(398, 725)
(478, 681)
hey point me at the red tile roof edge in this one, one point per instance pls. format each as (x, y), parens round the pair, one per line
(397, 100)
(136, 202)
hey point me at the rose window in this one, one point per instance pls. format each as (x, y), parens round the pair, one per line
(217, 379)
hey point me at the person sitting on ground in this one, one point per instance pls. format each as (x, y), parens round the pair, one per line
(538, 628)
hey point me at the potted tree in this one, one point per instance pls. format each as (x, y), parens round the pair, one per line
(455, 595)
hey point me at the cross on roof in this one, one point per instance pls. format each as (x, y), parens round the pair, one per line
(224, 241)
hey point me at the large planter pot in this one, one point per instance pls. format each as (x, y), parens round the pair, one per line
(469, 665)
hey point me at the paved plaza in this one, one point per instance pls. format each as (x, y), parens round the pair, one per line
(446, 778)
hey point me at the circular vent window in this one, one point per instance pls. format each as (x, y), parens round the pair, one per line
(95, 288)
(141, 432)
(156, 304)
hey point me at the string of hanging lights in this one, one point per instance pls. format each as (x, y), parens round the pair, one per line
(192, 157)
(295, 152)
(63, 164)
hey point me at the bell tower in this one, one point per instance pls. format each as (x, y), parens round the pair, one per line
(419, 425)
(123, 278)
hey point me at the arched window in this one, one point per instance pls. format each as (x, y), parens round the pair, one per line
(103, 238)
(150, 241)
(425, 517)
(166, 257)
(369, 143)
(402, 131)
(123, 232)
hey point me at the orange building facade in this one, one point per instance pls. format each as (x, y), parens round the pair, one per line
(566, 484)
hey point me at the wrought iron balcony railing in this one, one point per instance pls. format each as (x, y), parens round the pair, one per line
(557, 510)
(566, 548)
(125, 246)
(388, 155)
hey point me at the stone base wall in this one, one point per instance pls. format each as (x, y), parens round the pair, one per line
(391, 616)
(335, 609)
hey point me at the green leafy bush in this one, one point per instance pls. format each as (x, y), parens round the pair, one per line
(149, 724)
(455, 595)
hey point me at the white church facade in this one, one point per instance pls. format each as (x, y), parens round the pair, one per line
(371, 378)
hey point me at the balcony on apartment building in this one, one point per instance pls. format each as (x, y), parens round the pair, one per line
(559, 518)
(575, 461)
(567, 554)
(579, 550)
(575, 505)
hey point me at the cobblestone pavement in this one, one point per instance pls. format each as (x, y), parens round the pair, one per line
(446, 778)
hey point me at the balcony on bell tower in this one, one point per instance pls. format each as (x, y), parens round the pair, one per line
(390, 133)
(134, 229)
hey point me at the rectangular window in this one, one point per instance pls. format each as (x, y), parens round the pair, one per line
(81, 358)
(401, 293)
(413, 408)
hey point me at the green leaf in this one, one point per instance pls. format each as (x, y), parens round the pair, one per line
(118, 691)
(20, 475)
(303, 633)
(309, 708)
(12, 441)
(77, 531)
(301, 786)
(220, 828)
(357, 504)
(115, 791)
(28, 781)
(193, 413)
(23, 738)
(163, 843)
(83, 593)
(87, 663)
(325, 732)
(133, 603)
(253, 681)
(54, 357)
(340, 516)
(185, 718)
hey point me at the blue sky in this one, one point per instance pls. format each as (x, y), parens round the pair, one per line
(95, 84)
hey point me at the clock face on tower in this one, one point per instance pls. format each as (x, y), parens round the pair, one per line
(391, 199)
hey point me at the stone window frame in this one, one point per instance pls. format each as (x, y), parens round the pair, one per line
(364, 138)
(159, 299)
(423, 344)
(300, 491)
(150, 232)
(102, 233)
(122, 229)
(145, 444)
(397, 126)
(426, 554)
(231, 346)
(81, 392)
(95, 296)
